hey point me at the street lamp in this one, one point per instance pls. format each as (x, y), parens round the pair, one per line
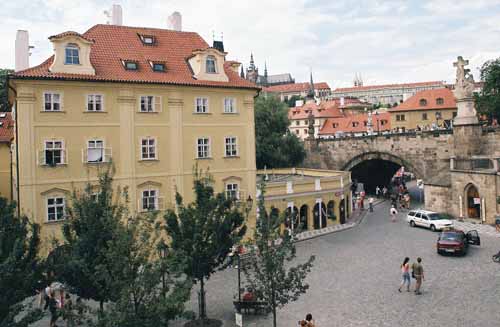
(376, 115)
(163, 253)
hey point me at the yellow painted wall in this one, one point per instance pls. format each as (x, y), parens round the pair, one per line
(414, 118)
(5, 182)
(121, 126)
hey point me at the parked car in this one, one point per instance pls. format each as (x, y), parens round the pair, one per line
(456, 241)
(429, 219)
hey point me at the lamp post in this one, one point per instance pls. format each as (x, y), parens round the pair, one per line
(248, 207)
(376, 115)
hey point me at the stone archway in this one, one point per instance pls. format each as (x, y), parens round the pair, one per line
(303, 217)
(472, 202)
(382, 156)
(319, 215)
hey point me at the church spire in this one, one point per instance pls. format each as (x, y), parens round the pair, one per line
(265, 69)
(310, 93)
(252, 64)
(242, 73)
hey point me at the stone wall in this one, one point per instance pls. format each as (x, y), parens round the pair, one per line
(437, 198)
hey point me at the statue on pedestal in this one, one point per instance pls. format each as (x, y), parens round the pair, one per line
(464, 88)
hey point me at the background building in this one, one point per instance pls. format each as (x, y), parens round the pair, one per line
(6, 137)
(252, 74)
(430, 109)
(385, 94)
(360, 124)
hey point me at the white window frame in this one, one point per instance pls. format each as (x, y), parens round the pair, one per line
(155, 105)
(93, 97)
(231, 192)
(53, 148)
(208, 148)
(148, 148)
(103, 151)
(149, 198)
(52, 102)
(214, 64)
(234, 149)
(72, 46)
(232, 107)
(55, 206)
(203, 106)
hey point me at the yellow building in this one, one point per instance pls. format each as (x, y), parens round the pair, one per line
(153, 102)
(426, 110)
(6, 136)
(311, 198)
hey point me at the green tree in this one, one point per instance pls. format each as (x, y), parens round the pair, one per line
(20, 268)
(146, 278)
(293, 99)
(488, 100)
(91, 225)
(268, 269)
(204, 232)
(276, 147)
(4, 104)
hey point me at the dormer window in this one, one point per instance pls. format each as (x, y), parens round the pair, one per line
(72, 54)
(130, 65)
(157, 66)
(423, 102)
(147, 39)
(439, 101)
(210, 65)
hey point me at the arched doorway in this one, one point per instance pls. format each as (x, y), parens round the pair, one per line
(303, 215)
(319, 223)
(473, 202)
(330, 210)
(292, 218)
(275, 214)
(342, 211)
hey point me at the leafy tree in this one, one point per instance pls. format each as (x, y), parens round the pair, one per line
(488, 101)
(204, 231)
(20, 268)
(293, 99)
(268, 268)
(389, 105)
(4, 105)
(147, 279)
(91, 225)
(395, 104)
(276, 147)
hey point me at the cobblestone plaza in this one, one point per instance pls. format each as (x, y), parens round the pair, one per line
(356, 275)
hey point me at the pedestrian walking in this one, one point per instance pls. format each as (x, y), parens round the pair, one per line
(418, 273)
(68, 314)
(393, 212)
(52, 304)
(46, 296)
(407, 200)
(370, 203)
(384, 192)
(377, 191)
(405, 271)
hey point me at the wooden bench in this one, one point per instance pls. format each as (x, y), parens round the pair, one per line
(247, 306)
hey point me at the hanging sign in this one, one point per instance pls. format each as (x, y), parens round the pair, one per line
(477, 200)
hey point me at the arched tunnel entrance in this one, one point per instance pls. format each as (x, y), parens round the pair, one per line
(376, 168)
(374, 172)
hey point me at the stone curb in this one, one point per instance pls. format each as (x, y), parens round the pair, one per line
(332, 229)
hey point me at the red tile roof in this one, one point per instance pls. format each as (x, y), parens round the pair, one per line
(295, 87)
(324, 110)
(430, 96)
(112, 43)
(68, 33)
(345, 124)
(388, 86)
(6, 128)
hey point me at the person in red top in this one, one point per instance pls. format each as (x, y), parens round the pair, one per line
(249, 295)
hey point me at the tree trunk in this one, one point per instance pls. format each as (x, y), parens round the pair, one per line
(203, 313)
(101, 306)
(273, 303)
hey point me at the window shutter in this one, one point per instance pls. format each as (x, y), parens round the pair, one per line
(157, 104)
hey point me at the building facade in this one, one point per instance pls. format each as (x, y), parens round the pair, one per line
(385, 94)
(426, 110)
(285, 92)
(310, 198)
(6, 137)
(154, 109)
(360, 124)
(252, 74)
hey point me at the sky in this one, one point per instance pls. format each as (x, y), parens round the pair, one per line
(383, 41)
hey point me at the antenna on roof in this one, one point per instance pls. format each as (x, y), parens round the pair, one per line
(222, 36)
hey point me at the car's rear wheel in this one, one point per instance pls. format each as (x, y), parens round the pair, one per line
(433, 228)
(412, 223)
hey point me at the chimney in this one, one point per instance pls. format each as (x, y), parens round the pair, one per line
(22, 50)
(175, 21)
(115, 15)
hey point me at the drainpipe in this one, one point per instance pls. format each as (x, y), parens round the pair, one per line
(483, 211)
(461, 206)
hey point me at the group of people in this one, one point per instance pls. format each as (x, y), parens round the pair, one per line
(61, 306)
(308, 322)
(417, 273)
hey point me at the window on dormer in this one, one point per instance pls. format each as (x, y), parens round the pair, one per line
(439, 101)
(423, 102)
(210, 64)
(158, 67)
(72, 54)
(130, 65)
(147, 39)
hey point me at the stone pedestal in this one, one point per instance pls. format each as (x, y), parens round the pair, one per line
(467, 140)
(466, 114)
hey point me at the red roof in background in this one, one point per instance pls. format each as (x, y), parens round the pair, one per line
(112, 43)
(324, 110)
(7, 128)
(430, 96)
(295, 87)
(385, 86)
(345, 124)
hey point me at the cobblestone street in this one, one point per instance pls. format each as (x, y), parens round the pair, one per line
(356, 275)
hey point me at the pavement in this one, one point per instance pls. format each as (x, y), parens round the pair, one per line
(356, 274)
